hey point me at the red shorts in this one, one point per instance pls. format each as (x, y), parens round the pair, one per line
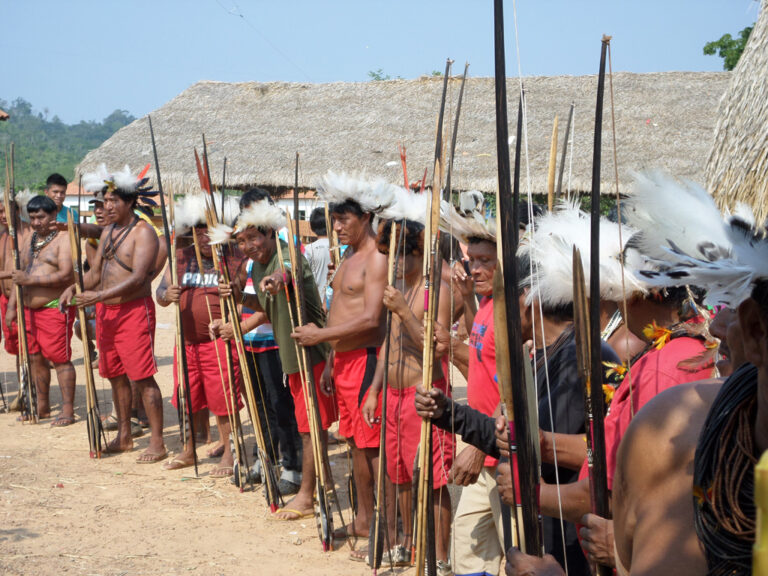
(11, 334)
(126, 334)
(403, 436)
(49, 332)
(325, 404)
(206, 372)
(352, 377)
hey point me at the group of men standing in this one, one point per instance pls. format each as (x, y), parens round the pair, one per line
(660, 330)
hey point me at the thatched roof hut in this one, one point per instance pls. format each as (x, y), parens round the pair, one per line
(662, 120)
(737, 170)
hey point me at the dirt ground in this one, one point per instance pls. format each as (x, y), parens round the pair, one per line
(65, 513)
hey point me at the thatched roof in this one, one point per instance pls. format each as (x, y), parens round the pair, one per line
(663, 120)
(737, 170)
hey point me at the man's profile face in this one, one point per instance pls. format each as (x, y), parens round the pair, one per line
(57, 193)
(3, 220)
(350, 226)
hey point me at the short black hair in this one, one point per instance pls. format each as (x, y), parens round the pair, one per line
(42, 203)
(131, 198)
(349, 206)
(253, 195)
(56, 179)
(317, 222)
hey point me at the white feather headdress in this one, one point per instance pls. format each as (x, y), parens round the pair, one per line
(96, 181)
(372, 195)
(690, 243)
(260, 214)
(190, 210)
(22, 199)
(550, 250)
(472, 223)
(408, 206)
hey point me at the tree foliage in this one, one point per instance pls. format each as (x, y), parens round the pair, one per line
(45, 146)
(729, 48)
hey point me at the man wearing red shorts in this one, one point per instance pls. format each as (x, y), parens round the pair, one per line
(256, 231)
(120, 278)
(403, 425)
(209, 386)
(46, 267)
(355, 325)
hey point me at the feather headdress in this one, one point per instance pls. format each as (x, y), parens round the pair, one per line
(96, 181)
(372, 195)
(408, 206)
(698, 247)
(22, 199)
(260, 214)
(190, 210)
(470, 222)
(550, 250)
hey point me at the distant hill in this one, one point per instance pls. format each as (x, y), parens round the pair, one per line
(45, 146)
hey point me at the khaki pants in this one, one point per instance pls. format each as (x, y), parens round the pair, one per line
(477, 530)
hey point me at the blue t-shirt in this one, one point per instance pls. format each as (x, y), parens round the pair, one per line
(62, 215)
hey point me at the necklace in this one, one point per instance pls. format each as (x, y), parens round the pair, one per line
(36, 246)
(113, 243)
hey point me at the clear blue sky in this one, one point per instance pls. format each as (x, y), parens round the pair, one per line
(82, 59)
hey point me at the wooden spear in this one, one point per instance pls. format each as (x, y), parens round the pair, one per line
(552, 166)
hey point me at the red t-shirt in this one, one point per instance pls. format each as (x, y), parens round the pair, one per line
(653, 373)
(482, 389)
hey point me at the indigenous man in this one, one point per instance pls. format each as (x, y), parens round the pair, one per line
(403, 426)
(355, 325)
(256, 232)
(274, 401)
(10, 331)
(46, 268)
(56, 190)
(197, 292)
(120, 279)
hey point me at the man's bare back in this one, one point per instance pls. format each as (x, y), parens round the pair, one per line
(357, 269)
(653, 491)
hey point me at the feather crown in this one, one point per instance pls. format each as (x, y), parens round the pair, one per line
(407, 206)
(372, 195)
(190, 210)
(689, 242)
(96, 181)
(469, 220)
(128, 183)
(550, 250)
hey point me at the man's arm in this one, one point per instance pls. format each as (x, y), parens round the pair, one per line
(162, 290)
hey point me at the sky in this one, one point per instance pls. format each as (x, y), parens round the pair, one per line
(82, 59)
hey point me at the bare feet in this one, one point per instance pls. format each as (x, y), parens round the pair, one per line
(216, 452)
(148, 457)
(221, 472)
(118, 445)
(350, 531)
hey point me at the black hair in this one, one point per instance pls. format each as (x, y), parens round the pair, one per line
(478, 240)
(317, 222)
(127, 197)
(760, 295)
(42, 203)
(253, 195)
(56, 179)
(449, 246)
(538, 210)
(414, 237)
(349, 206)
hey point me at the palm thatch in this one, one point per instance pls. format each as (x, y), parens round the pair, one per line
(662, 120)
(737, 170)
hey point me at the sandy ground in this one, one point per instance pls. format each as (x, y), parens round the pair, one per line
(65, 513)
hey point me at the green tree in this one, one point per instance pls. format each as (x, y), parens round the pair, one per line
(729, 48)
(377, 75)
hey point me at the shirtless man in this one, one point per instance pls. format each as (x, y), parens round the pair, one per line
(403, 426)
(120, 278)
(10, 331)
(355, 331)
(46, 267)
